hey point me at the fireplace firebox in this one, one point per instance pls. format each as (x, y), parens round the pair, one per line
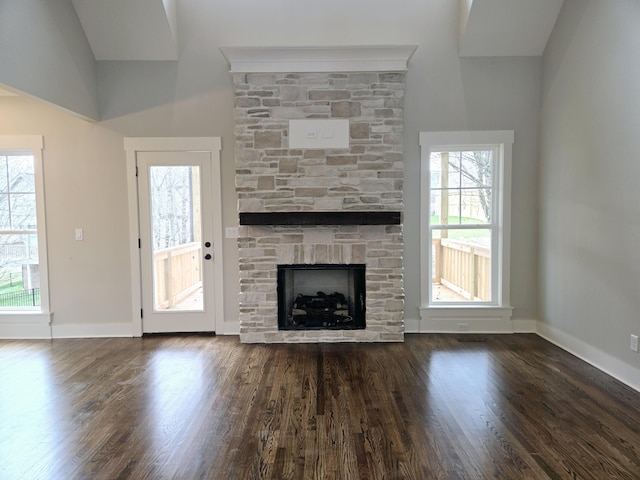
(321, 296)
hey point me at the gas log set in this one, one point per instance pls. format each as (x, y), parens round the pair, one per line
(320, 310)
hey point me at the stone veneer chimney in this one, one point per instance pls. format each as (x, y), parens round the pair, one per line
(365, 85)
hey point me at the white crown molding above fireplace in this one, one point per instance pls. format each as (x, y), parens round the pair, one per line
(365, 58)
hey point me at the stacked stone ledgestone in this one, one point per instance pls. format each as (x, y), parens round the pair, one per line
(367, 176)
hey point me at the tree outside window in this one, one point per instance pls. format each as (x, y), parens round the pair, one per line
(19, 255)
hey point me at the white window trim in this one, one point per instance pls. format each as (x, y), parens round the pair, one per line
(469, 317)
(31, 323)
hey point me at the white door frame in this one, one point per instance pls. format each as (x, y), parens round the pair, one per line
(132, 145)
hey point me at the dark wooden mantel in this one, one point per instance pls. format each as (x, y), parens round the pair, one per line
(320, 218)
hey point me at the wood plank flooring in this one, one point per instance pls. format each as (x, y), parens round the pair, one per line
(200, 407)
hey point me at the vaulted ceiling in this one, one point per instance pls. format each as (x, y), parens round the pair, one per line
(146, 29)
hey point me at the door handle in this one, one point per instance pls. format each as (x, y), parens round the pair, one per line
(207, 244)
(207, 256)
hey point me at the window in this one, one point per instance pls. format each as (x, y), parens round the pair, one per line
(23, 272)
(465, 219)
(461, 225)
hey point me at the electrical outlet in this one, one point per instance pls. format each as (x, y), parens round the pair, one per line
(463, 327)
(634, 343)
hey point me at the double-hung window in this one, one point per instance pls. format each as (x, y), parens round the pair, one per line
(465, 225)
(23, 266)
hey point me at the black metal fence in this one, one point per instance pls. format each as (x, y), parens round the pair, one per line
(22, 298)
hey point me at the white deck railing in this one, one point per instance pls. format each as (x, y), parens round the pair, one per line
(177, 274)
(463, 267)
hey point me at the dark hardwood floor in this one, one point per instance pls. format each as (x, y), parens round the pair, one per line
(191, 407)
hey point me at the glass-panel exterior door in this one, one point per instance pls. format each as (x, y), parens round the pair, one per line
(176, 241)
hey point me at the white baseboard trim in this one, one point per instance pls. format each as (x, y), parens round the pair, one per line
(38, 327)
(592, 355)
(21, 331)
(25, 325)
(86, 330)
(450, 319)
(525, 326)
(477, 327)
(411, 325)
(228, 328)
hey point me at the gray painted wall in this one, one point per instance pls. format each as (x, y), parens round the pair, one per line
(85, 187)
(590, 152)
(45, 54)
(194, 97)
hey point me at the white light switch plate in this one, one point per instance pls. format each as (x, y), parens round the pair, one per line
(231, 232)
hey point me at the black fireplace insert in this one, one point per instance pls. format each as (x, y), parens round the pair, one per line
(321, 296)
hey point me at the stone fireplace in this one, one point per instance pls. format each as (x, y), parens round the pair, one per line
(322, 203)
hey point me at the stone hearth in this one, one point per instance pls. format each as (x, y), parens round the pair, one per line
(365, 177)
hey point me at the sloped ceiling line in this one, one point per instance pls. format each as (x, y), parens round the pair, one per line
(506, 28)
(129, 29)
